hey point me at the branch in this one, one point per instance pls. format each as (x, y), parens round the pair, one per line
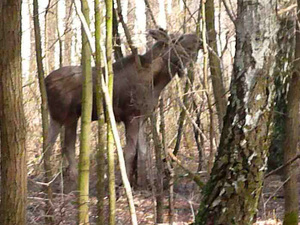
(231, 16)
(283, 166)
(191, 175)
(126, 31)
(150, 12)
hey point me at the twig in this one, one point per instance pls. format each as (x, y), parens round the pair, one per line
(289, 8)
(283, 166)
(191, 175)
(233, 18)
(150, 12)
(275, 192)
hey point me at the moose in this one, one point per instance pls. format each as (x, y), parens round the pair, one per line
(136, 90)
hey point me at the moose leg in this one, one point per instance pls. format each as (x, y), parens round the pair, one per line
(69, 149)
(132, 129)
(53, 132)
(141, 157)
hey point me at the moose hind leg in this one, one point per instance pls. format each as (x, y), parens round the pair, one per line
(132, 129)
(69, 149)
(53, 132)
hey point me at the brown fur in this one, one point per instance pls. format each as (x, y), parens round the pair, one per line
(136, 91)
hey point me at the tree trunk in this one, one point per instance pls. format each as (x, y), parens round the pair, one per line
(214, 63)
(110, 140)
(50, 35)
(85, 142)
(282, 71)
(12, 120)
(231, 195)
(68, 34)
(47, 150)
(117, 40)
(101, 123)
(292, 136)
(159, 168)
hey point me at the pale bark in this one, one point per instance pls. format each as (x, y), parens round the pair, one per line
(231, 195)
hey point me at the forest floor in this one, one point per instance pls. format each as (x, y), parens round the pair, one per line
(187, 200)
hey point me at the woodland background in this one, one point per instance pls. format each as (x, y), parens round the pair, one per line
(189, 118)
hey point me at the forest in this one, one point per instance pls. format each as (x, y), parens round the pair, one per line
(149, 112)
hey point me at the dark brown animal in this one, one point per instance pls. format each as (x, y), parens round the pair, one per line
(137, 87)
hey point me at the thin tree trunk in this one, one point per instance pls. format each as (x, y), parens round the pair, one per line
(231, 195)
(85, 142)
(291, 196)
(126, 30)
(47, 150)
(168, 160)
(117, 40)
(181, 118)
(12, 120)
(101, 123)
(159, 168)
(50, 35)
(205, 87)
(68, 34)
(214, 63)
(110, 140)
(282, 71)
(32, 61)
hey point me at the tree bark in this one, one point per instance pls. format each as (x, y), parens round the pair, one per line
(292, 136)
(68, 34)
(282, 71)
(110, 140)
(85, 142)
(47, 150)
(50, 35)
(101, 123)
(12, 120)
(214, 63)
(159, 168)
(231, 195)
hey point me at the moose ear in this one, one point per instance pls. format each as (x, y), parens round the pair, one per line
(159, 35)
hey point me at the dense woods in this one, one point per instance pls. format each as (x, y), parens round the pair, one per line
(196, 103)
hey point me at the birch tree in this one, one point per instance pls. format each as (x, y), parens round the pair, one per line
(232, 192)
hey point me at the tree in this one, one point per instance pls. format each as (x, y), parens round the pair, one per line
(47, 150)
(232, 192)
(51, 28)
(110, 140)
(214, 61)
(292, 137)
(12, 120)
(101, 168)
(87, 92)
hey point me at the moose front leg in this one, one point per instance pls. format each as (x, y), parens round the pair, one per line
(141, 157)
(130, 153)
(69, 149)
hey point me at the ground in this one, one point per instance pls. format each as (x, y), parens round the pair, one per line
(187, 198)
